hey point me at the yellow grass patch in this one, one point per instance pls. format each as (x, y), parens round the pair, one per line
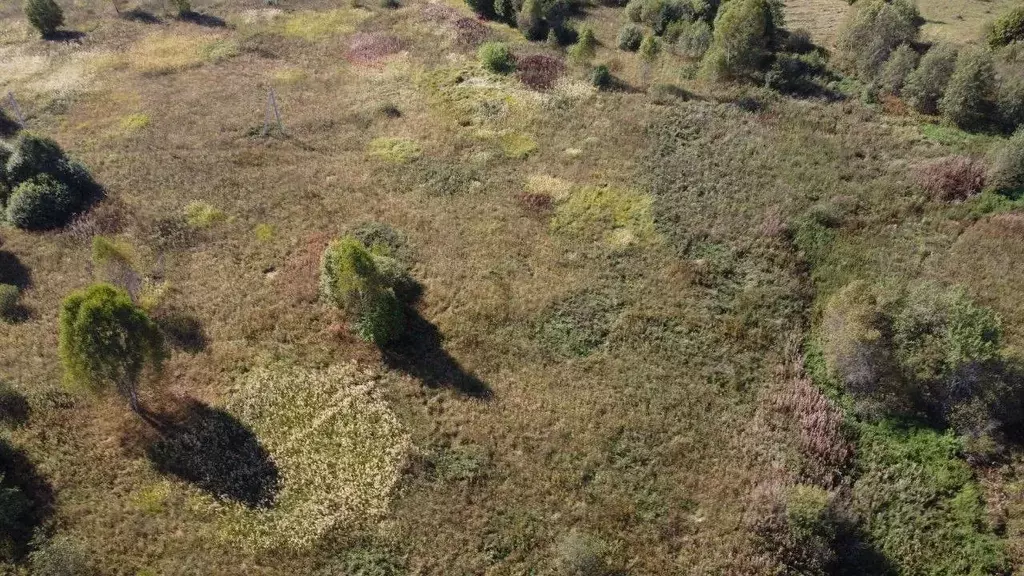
(517, 145)
(313, 26)
(134, 122)
(166, 53)
(290, 75)
(556, 188)
(396, 150)
(620, 217)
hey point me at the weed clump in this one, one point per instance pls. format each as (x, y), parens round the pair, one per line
(952, 179)
(395, 150)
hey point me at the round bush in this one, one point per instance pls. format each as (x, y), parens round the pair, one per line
(969, 101)
(32, 155)
(381, 319)
(496, 57)
(1007, 28)
(530, 20)
(630, 37)
(1006, 173)
(634, 10)
(898, 67)
(41, 203)
(1011, 102)
(926, 85)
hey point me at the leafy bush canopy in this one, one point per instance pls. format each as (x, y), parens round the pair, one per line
(744, 34)
(41, 203)
(106, 340)
(925, 86)
(629, 38)
(1007, 28)
(44, 15)
(32, 155)
(1006, 172)
(496, 57)
(970, 96)
(874, 31)
(897, 68)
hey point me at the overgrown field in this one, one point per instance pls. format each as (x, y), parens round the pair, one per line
(616, 307)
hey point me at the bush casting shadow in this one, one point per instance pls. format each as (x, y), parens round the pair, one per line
(140, 15)
(26, 507)
(212, 449)
(13, 272)
(14, 408)
(65, 36)
(420, 353)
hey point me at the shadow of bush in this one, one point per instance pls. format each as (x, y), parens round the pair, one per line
(26, 502)
(216, 452)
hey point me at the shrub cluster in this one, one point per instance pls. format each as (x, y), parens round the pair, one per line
(1006, 173)
(1007, 28)
(799, 531)
(40, 187)
(363, 283)
(925, 85)
(44, 15)
(534, 18)
(875, 30)
(746, 32)
(496, 57)
(953, 178)
(924, 350)
(629, 38)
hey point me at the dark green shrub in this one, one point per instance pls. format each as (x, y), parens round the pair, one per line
(530, 20)
(634, 9)
(798, 533)
(650, 49)
(484, 8)
(8, 301)
(44, 15)
(744, 33)
(1006, 172)
(41, 203)
(505, 11)
(1010, 98)
(969, 101)
(381, 318)
(658, 14)
(925, 86)
(585, 48)
(601, 77)
(901, 63)
(877, 28)
(629, 38)
(799, 41)
(496, 57)
(32, 155)
(1007, 28)
(364, 284)
(105, 341)
(795, 73)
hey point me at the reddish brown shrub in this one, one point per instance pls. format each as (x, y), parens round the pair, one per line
(821, 435)
(535, 203)
(299, 278)
(539, 71)
(368, 48)
(952, 178)
(470, 32)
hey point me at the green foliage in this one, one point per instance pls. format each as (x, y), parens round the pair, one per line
(579, 325)
(1006, 172)
(901, 63)
(530, 20)
(106, 340)
(585, 48)
(634, 8)
(743, 35)
(41, 203)
(969, 101)
(201, 214)
(808, 512)
(659, 14)
(364, 284)
(629, 38)
(926, 85)
(1007, 28)
(650, 49)
(496, 57)
(693, 38)
(8, 301)
(32, 155)
(601, 77)
(1010, 98)
(877, 28)
(364, 561)
(919, 504)
(44, 15)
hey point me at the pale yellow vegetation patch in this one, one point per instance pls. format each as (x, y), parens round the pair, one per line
(620, 217)
(338, 447)
(169, 52)
(395, 150)
(557, 188)
(290, 75)
(313, 26)
(134, 122)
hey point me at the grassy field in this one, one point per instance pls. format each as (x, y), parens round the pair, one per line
(616, 295)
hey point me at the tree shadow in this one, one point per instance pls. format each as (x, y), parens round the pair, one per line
(213, 450)
(28, 500)
(201, 19)
(420, 353)
(13, 272)
(183, 331)
(8, 126)
(141, 16)
(65, 36)
(855, 555)
(14, 408)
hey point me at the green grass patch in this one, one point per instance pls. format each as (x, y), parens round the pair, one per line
(579, 325)
(395, 150)
(200, 214)
(620, 217)
(517, 145)
(134, 122)
(314, 26)
(955, 137)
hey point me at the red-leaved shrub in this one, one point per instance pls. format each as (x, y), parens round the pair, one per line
(952, 178)
(539, 71)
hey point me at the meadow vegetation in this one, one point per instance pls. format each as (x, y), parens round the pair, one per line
(523, 287)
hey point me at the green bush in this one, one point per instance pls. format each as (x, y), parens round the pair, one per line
(920, 506)
(44, 15)
(585, 48)
(381, 319)
(32, 155)
(634, 9)
(530, 20)
(1006, 172)
(969, 101)
(601, 77)
(901, 63)
(744, 33)
(1007, 28)
(925, 86)
(650, 49)
(629, 38)
(496, 57)
(41, 203)
(8, 301)
(876, 29)
(659, 14)
(364, 284)
(1010, 96)
(694, 38)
